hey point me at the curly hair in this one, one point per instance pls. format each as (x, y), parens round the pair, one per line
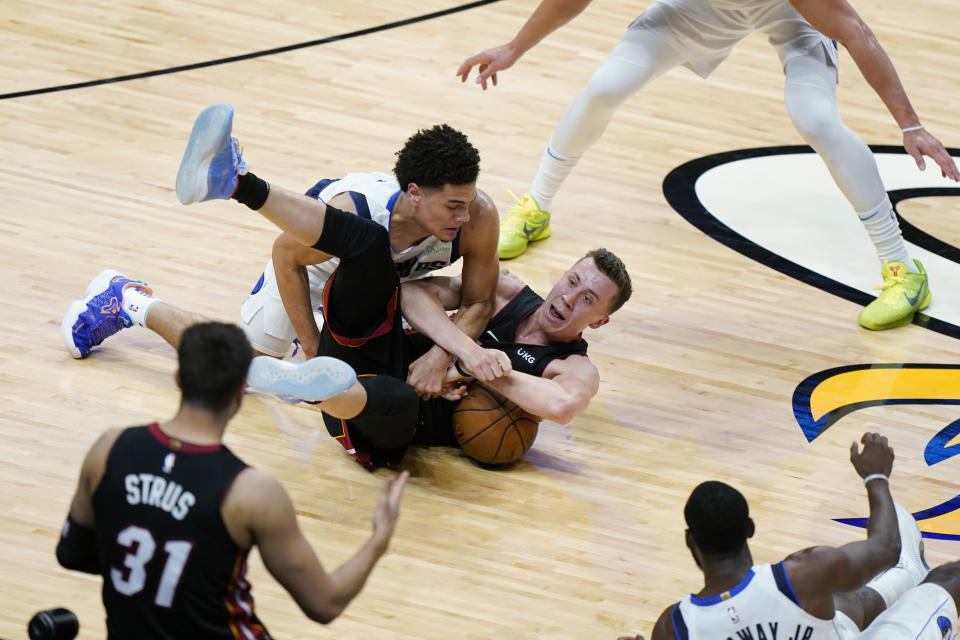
(432, 158)
(611, 266)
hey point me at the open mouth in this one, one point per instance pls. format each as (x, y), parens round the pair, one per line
(556, 315)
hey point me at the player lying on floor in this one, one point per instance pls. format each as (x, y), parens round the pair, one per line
(552, 375)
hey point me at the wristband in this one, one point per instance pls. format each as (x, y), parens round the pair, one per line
(914, 128)
(456, 364)
(875, 476)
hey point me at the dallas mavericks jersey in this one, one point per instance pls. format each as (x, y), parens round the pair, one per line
(762, 606)
(375, 195)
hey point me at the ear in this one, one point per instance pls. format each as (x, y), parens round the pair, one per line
(599, 323)
(176, 378)
(414, 193)
(750, 528)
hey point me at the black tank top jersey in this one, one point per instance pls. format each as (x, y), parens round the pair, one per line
(170, 568)
(501, 334)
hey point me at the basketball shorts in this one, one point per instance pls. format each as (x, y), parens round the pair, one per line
(704, 32)
(264, 319)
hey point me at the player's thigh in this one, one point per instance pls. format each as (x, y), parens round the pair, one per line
(925, 612)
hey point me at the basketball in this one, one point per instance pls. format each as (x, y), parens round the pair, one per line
(491, 429)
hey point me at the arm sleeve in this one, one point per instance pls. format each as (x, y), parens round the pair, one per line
(77, 548)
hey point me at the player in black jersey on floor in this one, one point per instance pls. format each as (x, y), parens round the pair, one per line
(167, 515)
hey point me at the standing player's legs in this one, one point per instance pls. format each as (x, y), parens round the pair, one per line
(639, 57)
(810, 95)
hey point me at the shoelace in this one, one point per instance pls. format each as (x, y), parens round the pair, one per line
(889, 282)
(240, 163)
(517, 222)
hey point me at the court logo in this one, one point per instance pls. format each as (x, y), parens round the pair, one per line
(759, 202)
(824, 398)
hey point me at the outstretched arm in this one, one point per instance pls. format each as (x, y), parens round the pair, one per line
(549, 16)
(838, 20)
(817, 573)
(262, 506)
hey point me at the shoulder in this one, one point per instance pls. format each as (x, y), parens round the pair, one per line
(253, 503)
(578, 365)
(663, 628)
(509, 284)
(483, 206)
(95, 462)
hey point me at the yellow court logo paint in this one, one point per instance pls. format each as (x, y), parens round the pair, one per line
(825, 397)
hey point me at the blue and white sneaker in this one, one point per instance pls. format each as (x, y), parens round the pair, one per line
(314, 380)
(98, 314)
(212, 162)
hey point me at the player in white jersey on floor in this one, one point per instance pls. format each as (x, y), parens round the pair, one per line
(373, 196)
(432, 221)
(819, 593)
(700, 34)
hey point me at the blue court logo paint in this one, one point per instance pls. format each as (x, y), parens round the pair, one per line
(824, 398)
(719, 195)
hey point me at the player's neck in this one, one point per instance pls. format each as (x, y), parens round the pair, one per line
(405, 230)
(195, 426)
(724, 573)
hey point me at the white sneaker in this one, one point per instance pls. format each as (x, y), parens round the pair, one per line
(911, 545)
(314, 380)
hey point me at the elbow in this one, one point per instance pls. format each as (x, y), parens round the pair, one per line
(324, 613)
(562, 411)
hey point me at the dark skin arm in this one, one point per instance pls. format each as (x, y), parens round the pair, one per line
(819, 572)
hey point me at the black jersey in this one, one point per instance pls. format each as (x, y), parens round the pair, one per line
(436, 415)
(170, 568)
(501, 334)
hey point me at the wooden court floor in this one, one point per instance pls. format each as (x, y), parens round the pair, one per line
(584, 538)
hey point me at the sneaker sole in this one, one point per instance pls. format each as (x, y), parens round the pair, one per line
(98, 284)
(210, 129)
(911, 539)
(314, 380)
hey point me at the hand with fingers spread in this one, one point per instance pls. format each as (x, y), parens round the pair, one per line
(876, 458)
(920, 143)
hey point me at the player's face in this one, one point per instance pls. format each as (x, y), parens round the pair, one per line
(580, 299)
(444, 211)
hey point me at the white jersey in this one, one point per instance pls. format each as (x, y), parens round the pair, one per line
(762, 607)
(374, 195)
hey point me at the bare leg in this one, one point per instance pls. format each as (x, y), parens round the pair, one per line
(300, 216)
(169, 322)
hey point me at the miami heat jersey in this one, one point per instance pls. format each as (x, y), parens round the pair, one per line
(763, 605)
(501, 334)
(375, 195)
(170, 568)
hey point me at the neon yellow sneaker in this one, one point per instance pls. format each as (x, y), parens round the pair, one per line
(524, 223)
(904, 293)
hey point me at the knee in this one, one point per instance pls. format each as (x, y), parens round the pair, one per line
(389, 418)
(608, 88)
(816, 119)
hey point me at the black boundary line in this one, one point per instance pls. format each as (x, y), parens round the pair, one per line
(679, 188)
(249, 56)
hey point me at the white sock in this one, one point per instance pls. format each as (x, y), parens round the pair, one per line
(136, 304)
(910, 569)
(554, 169)
(884, 231)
